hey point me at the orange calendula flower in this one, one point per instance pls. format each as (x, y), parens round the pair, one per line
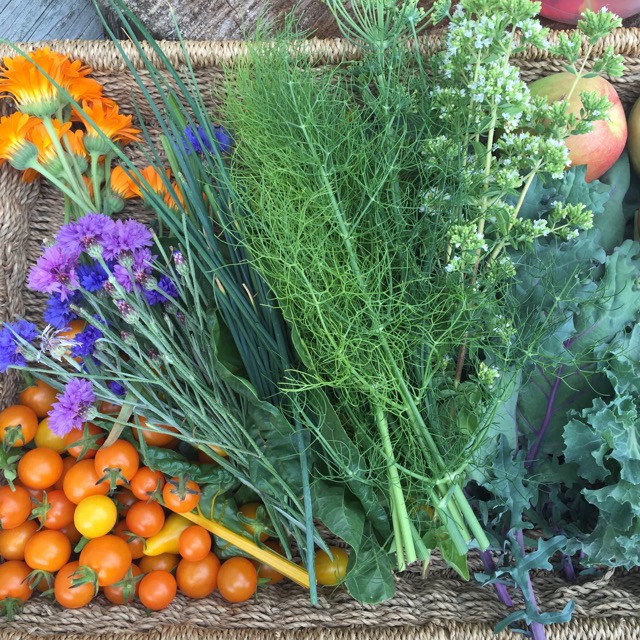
(30, 88)
(169, 199)
(14, 145)
(123, 185)
(109, 123)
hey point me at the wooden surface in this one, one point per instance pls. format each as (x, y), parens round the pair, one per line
(29, 20)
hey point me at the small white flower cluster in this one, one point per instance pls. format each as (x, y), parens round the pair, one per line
(487, 375)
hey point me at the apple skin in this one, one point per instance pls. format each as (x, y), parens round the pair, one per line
(602, 146)
(634, 137)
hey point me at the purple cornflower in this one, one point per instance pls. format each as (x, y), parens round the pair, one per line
(165, 289)
(11, 354)
(74, 407)
(88, 233)
(117, 388)
(91, 276)
(125, 237)
(142, 263)
(85, 342)
(57, 313)
(55, 272)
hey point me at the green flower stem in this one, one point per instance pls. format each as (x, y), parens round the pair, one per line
(95, 181)
(108, 159)
(405, 547)
(80, 188)
(35, 165)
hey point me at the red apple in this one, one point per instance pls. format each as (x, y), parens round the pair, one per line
(601, 147)
(634, 137)
(570, 10)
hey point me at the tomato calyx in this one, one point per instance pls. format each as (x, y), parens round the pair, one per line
(257, 525)
(87, 442)
(37, 575)
(85, 575)
(12, 434)
(115, 478)
(180, 487)
(9, 459)
(39, 512)
(9, 607)
(129, 585)
(82, 543)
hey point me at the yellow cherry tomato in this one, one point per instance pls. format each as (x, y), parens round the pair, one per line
(46, 438)
(331, 571)
(95, 516)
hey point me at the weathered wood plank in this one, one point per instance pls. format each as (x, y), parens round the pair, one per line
(31, 20)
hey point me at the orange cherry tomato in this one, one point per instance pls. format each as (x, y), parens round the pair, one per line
(146, 482)
(81, 481)
(67, 463)
(13, 541)
(194, 543)
(68, 596)
(108, 556)
(237, 579)
(109, 409)
(40, 468)
(145, 519)
(124, 500)
(124, 591)
(155, 438)
(14, 581)
(15, 506)
(250, 512)
(39, 397)
(72, 533)
(90, 437)
(207, 459)
(60, 512)
(118, 462)
(19, 417)
(265, 571)
(47, 550)
(36, 494)
(181, 497)
(161, 562)
(157, 590)
(135, 543)
(73, 329)
(198, 579)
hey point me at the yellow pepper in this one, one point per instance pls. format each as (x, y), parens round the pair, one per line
(166, 541)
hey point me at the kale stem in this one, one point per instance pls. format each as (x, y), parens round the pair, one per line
(537, 629)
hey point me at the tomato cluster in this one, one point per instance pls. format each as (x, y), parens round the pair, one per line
(79, 515)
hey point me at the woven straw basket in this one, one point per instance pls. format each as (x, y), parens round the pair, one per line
(439, 607)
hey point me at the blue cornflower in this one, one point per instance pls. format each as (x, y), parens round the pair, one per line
(197, 140)
(10, 348)
(224, 138)
(57, 313)
(117, 388)
(167, 290)
(91, 276)
(85, 342)
(73, 408)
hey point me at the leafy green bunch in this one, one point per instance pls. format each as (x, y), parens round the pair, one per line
(385, 197)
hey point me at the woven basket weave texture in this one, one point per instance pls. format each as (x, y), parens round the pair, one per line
(439, 607)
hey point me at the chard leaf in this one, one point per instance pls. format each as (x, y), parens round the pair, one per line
(369, 573)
